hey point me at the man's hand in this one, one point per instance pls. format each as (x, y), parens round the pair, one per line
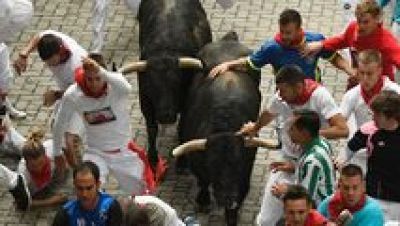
(250, 129)
(50, 97)
(311, 48)
(90, 66)
(279, 189)
(20, 64)
(282, 166)
(219, 69)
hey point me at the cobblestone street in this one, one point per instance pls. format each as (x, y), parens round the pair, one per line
(253, 20)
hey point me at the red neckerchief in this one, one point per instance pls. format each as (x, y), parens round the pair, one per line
(337, 205)
(308, 89)
(314, 219)
(80, 80)
(42, 177)
(148, 175)
(367, 96)
(294, 44)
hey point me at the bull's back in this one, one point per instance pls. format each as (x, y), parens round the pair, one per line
(174, 25)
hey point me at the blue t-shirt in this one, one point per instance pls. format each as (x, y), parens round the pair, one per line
(370, 215)
(98, 216)
(271, 52)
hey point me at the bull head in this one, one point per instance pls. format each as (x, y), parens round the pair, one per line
(200, 145)
(184, 62)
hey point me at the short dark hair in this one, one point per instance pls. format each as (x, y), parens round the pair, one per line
(290, 74)
(352, 170)
(388, 103)
(48, 46)
(308, 120)
(290, 16)
(87, 167)
(98, 58)
(296, 192)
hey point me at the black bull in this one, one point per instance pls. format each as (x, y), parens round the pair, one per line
(218, 108)
(169, 30)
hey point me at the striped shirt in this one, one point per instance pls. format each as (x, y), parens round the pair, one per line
(315, 169)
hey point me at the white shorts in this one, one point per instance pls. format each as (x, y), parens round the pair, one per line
(125, 165)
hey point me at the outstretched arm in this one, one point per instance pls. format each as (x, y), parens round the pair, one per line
(342, 64)
(238, 64)
(21, 62)
(337, 128)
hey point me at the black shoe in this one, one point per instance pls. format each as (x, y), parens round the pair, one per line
(21, 194)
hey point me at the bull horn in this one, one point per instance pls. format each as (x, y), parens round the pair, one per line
(132, 67)
(189, 62)
(261, 142)
(190, 146)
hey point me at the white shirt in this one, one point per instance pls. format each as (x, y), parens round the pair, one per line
(353, 102)
(171, 218)
(106, 119)
(321, 101)
(64, 73)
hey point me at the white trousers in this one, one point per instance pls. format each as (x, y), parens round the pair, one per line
(272, 207)
(8, 177)
(6, 74)
(99, 18)
(125, 165)
(17, 15)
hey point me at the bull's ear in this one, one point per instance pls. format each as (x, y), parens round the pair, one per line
(230, 36)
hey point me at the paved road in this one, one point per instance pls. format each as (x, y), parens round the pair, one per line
(254, 20)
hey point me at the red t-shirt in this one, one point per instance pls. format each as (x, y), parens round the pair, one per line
(381, 40)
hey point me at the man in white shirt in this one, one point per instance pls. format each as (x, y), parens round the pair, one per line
(357, 100)
(100, 98)
(63, 55)
(294, 93)
(14, 16)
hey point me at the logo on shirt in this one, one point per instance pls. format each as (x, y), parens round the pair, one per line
(99, 116)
